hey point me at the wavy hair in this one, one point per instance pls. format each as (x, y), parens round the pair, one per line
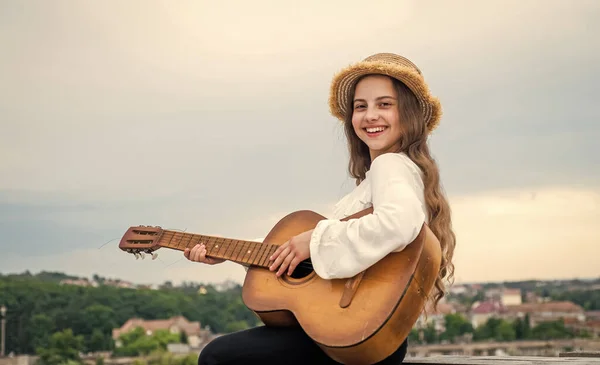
(414, 143)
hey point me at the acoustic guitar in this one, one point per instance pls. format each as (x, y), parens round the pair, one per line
(359, 320)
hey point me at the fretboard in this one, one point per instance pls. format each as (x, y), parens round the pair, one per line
(239, 251)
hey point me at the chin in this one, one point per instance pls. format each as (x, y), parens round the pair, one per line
(376, 146)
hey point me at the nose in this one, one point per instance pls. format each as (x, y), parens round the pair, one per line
(372, 114)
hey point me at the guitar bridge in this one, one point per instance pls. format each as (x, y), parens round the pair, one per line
(350, 289)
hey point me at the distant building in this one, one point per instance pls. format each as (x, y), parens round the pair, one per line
(506, 296)
(458, 289)
(481, 312)
(120, 284)
(511, 297)
(435, 317)
(79, 282)
(546, 312)
(196, 336)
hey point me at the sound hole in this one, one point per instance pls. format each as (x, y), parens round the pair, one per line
(303, 269)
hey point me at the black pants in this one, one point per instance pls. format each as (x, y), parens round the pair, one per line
(272, 345)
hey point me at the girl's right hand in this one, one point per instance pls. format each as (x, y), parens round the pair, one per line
(198, 254)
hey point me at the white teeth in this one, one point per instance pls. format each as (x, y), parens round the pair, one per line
(374, 130)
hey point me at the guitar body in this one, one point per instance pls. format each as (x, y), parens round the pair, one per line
(385, 305)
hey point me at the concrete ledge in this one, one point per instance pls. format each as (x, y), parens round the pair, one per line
(502, 360)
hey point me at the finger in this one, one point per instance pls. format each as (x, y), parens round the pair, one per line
(279, 259)
(286, 263)
(186, 253)
(278, 251)
(190, 254)
(195, 255)
(293, 265)
(202, 255)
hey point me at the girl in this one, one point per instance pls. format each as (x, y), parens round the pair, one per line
(387, 113)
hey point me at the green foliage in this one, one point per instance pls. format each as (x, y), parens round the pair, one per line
(62, 347)
(136, 342)
(551, 330)
(170, 359)
(522, 328)
(588, 299)
(38, 308)
(456, 325)
(502, 330)
(495, 329)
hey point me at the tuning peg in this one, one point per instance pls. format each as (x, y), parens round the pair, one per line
(154, 255)
(137, 256)
(142, 255)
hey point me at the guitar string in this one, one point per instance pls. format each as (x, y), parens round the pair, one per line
(302, 264)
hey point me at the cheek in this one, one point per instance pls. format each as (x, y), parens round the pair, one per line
(393, 117)
(356, 124)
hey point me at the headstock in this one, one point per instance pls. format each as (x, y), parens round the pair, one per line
(141, 240)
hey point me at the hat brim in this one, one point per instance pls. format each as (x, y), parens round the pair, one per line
(346, 79)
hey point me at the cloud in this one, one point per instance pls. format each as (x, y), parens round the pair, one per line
(533, 233)
(501, 235)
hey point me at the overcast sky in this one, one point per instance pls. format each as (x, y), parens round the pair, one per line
(213, 117)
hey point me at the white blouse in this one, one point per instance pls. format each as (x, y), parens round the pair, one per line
(394, 188)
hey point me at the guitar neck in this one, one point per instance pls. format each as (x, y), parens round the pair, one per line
(238, 251)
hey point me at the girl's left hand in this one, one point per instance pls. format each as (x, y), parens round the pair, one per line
(291, 253)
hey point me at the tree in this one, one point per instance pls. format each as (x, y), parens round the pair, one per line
(456, 325)
(551, 330)
(522, 328)
(495, 329)
(136, 342)
(63, 347)
(97, 341)
(38, 308)
(40, 329)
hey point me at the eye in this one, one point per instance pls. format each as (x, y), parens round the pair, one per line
(385, 104)
(359, 106)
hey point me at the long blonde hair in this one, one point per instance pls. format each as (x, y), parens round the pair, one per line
(414, 143)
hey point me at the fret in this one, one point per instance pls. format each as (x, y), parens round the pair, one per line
(238, 250)
(169, 244)
(245, 248)
(248, 252)
(228, 252)
(211, 245)
(191, 236)
(180, 242)
(215, 247)
(255, 253)
(271, 251)
(263, 253)
(190, 241)
(222, 248)
(194, 240)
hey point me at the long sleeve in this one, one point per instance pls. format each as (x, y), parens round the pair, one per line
(342, 249)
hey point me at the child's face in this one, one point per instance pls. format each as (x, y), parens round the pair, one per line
(375, 118)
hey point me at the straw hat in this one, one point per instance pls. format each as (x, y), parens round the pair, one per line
(384, 64)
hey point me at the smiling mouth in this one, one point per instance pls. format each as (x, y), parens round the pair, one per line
(374, 131)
